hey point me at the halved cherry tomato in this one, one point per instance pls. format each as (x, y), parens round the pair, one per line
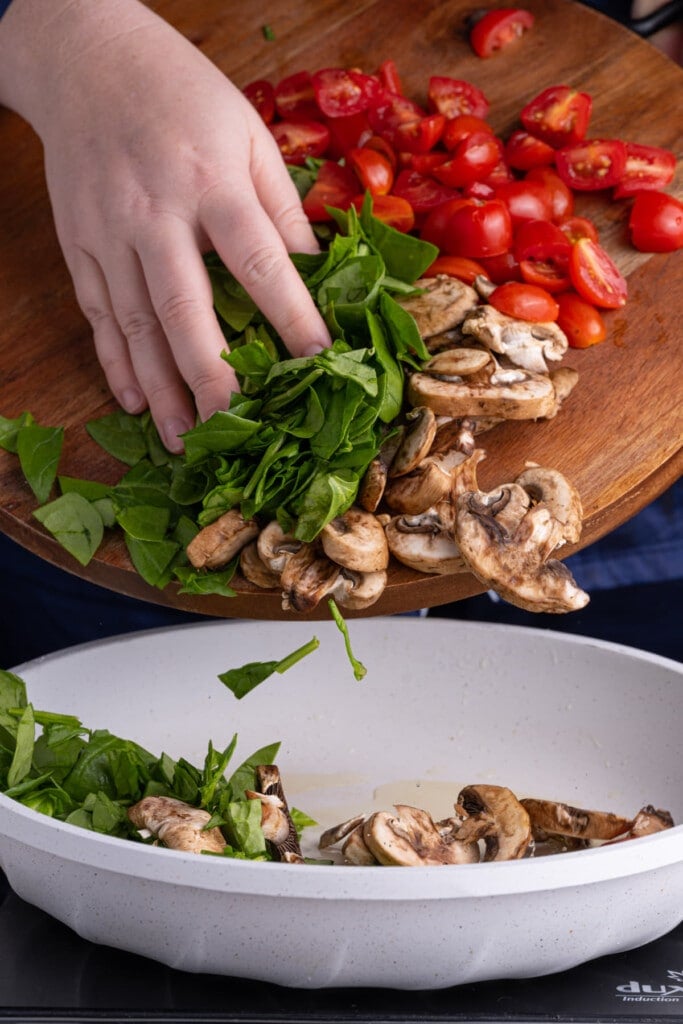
(558, 115)
(656, 222)
(595, 276)
(300, 139)
(473, 159)
(561, 195)
(479, 190)
(339, 92)
(592, 164)
(436, 223)
(502, 268)
(523, 151)
(421, 135)
(261, 95)
(391, 210)
(336, 185)
(474, 229)
(647, 167)
(347, 132)
(458, 128)
(424, 163)
(549, 274)
(391, 111)
(497, 29)
(452, 96)
(389, 77)
(526, 200)
(373, 170)
(580, 321)
(295, 99)
(578, 227)
(456, 266)
(500, 174)
(540, 240)
(381, 146)
(422, 193)
(524, 301)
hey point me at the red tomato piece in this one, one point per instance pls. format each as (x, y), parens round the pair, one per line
(502, 268)
(391, 111)
(580, 321)
(558, 115)
(295, 99)
(595, 276)
(524, 301)
(373, 170)
(647, 167)
(436, 224)
(421, 192)
(300, 139)
(476, 229)
(479, 190)
(347, 132)
(526, 200)
(497, 29)
(500, 174)
(424, 163)
(540, 240)
(456, 266)
(336, 185)
(473, 159)
(592, 164)
(391, 210)
(656, 222)
(548, 274)
(389, 77)
(261, 95)
(419, 136)
(452, 96)
(561, 195)
(458, 128)
(340, 93)
(578, 227)
(523, 151)
(381, 146)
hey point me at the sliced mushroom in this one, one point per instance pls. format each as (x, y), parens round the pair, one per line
(561, 819)
(564, 380)
(332, 836)
(254, 569)
(418, 435)
(410, 838)
(357, 590)
(525, 344)
(274, 821)
(308, 576)
(356, 851)
(495, 815)
(514, 394)
(425, 543)
(270, 790)
(647, 822)
(220, 541)
(176, 824)
(442, 304)
(457, 362)
(275, 547)
(558, 495)
(355, 540)
(427, 485)
(371, 489)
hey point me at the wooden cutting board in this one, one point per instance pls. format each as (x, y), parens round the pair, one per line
(619, 436)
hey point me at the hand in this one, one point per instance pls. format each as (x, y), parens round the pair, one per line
(152, 158)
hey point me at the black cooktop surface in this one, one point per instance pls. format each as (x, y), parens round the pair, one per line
(48, 973)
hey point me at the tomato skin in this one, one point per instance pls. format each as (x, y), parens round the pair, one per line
(656, 222)
(523, 152)
(261, 95)
(647, 167)
(381, 146)
(497, 29)
(340, 93)
(391, 111)
(298, 140)
(502, 268)
(391, 210)
(453, 96)
(476, 229)
(558, 115)
(592, 164)
(374, 171)
(389, 77)
(419, 136)
(456, 266)
(424, 163)
(540, 240)
(580, 321)
(335, 185)
(526, 200)
(524, 301)
(473, 159)
(458, 128)
(423, 193)
(561, 195)
(295, 99)
(595, 276)
(578, 227)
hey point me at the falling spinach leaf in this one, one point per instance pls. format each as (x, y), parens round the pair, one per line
(241, 681)
(359, 670)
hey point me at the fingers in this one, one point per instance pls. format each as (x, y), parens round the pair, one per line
(252, 245)
(279, 197)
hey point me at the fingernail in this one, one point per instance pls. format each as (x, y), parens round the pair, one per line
(132, 400)
(172, 429)
(314, 350)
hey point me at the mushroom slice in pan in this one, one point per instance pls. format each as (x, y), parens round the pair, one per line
(511, 394)
(176, 824)
(425, 543)
(356, 851)
(270, 790)
(274, 821)
(410, 838)
(332, 836)
(495, 815)
(254, 569)
(308, 577)
(525, 344)
(220, 541)
(418, 435)
(564, 820)
(355, 540)
(647, 822)
(441, 305)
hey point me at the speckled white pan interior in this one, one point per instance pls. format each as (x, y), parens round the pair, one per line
(443, 704)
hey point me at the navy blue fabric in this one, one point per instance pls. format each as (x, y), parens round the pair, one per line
(4, 4)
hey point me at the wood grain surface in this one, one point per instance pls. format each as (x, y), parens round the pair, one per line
(619, 436)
